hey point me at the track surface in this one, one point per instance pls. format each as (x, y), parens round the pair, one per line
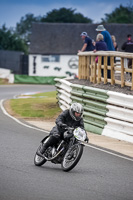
(97, 176)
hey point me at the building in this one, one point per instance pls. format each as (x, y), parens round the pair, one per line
(54, 46)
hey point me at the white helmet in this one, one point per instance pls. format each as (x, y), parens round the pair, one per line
(78, 108)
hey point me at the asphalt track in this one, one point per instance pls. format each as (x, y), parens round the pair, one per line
(98, 175)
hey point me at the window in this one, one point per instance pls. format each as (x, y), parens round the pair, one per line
(51, 58)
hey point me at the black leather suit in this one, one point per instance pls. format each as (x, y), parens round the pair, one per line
(65, 118)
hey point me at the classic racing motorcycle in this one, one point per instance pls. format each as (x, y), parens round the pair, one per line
(67, 152)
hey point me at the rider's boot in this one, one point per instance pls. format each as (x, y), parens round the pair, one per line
(51, 141)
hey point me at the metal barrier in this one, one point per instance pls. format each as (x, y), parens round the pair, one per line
(107, 113)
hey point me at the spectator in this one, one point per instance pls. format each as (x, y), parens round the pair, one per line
(108, 40)
(107, 37)
(114, 42)
(128, 47)
(115, 45)
(100, 46)
(87, 46)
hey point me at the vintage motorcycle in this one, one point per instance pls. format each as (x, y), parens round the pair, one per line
(67, 152)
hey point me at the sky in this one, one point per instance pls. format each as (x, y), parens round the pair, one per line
(11, 11)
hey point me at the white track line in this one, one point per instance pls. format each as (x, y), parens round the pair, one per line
(111, 153)
(28, 126)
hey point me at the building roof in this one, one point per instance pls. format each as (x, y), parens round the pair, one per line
(64, 38)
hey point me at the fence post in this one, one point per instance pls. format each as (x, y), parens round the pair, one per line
(99, 68)
(88, 67)
(91, 70)
(95, 69)
(84, 67)
(105, 69)
(122, 72)
(80, 67)
(112, 70)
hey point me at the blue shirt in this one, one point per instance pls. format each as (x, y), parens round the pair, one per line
(108, 40)
(101, 46)
(90, 46)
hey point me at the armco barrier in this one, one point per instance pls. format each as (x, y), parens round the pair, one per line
(94, 103)
(119, 113)
(105, 112)
(64, 95)
(118, 129)
(119, 99)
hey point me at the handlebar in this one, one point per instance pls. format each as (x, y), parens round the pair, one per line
(69, 128)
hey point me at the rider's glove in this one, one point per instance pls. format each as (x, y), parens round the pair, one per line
(87, 139)
(67, 136)
(63, 125)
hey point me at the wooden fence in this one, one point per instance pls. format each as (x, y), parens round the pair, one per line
(91, 70)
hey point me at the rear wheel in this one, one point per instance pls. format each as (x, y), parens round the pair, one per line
(38, 160)
(72, 157)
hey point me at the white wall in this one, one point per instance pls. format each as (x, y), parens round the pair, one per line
(4, 73)
(66, 63)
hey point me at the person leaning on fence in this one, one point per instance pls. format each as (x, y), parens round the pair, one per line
(128, 47)
(100, 46)
(88, 45)
(108, 40)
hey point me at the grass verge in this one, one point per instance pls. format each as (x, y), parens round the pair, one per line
(41, 105)
(3, 81)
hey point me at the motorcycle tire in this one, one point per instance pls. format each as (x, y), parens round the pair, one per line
(38, 160)
(72, 157)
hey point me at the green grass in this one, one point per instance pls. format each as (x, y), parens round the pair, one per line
(42, 105)
(3, 81)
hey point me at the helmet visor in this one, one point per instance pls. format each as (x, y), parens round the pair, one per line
(77, 115)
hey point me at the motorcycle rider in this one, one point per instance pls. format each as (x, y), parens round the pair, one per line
(72, 117)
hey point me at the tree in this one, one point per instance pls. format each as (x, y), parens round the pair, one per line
(23, 28)
(65, 15)
(120, 15)
(11, 41)
(18, 40)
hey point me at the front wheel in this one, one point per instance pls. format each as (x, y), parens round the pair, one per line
(72, 157)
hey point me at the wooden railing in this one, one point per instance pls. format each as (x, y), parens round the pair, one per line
(89, 69)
